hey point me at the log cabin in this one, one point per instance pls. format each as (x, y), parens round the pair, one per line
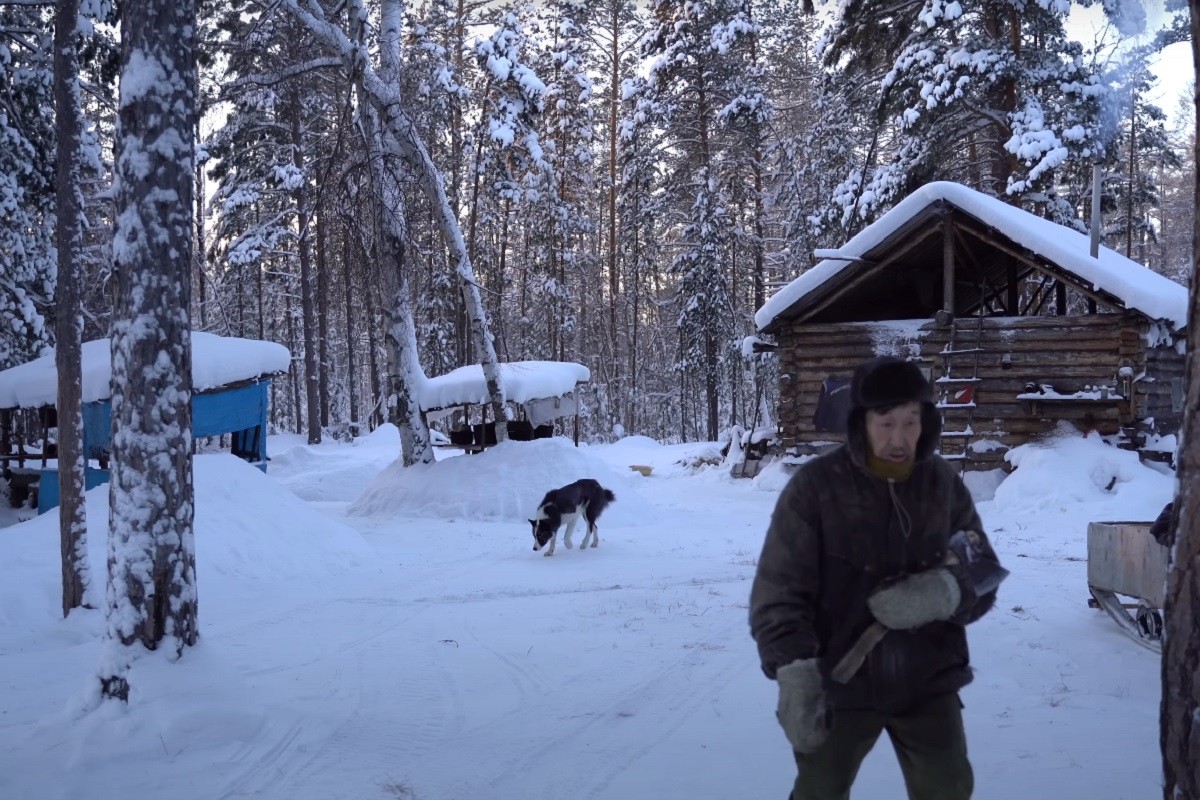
(1018, 326)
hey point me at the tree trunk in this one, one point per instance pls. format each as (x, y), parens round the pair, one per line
(200, 257)
(351, 339)
(373, 351)
(308, 305)
(68, 326)
(323, 365)
(1180, 707)
(407, 375)
(151, 553)
(294, 365)
(614, 88)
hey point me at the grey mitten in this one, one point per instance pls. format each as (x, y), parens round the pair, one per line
(801, 710)
(916, 599)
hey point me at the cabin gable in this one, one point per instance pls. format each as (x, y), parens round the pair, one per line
(1019, 334)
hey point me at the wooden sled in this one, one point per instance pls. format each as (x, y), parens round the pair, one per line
(1124, 560)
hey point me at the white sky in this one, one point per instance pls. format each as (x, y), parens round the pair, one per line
(425, 646)
(1173, 66)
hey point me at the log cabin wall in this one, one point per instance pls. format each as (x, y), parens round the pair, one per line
(1159, 393)
(1068, 353)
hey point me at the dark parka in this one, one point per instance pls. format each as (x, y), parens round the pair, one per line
(837, 533)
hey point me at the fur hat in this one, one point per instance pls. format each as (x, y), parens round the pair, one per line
(887, 381)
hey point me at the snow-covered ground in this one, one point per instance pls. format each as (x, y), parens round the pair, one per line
(370, 632)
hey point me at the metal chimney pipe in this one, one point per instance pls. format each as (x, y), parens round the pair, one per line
(1096, 175)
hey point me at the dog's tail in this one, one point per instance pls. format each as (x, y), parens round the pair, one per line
(609, 496)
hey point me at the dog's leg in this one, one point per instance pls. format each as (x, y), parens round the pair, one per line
(569, 531)
(553, 541)
(595, 535)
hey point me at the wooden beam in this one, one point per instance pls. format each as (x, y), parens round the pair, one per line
(1060, 297)
(948, 271)
(1063, 276)
(870, 272)
(1039, 294)
(1035, 262)
(1010, 305)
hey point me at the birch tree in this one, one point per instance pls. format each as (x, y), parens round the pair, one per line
(389, 213)
(411, 150)
(151, 598)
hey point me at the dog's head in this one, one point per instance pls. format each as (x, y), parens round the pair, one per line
(544, 524)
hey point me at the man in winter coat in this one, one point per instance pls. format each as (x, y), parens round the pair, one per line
(859, 578)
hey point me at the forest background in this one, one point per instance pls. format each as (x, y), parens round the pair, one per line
(629, 180)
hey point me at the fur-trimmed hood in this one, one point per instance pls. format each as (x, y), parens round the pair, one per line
(884, 382)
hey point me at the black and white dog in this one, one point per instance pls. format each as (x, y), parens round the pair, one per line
(584, 498)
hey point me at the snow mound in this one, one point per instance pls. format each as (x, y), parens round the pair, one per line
(249, 528)
(505, 483)
(636, 443)
(386, 435)
(1070, 470)
(298, 457)
(250, 533)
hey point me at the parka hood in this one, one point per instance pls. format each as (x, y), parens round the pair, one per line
(887, 381)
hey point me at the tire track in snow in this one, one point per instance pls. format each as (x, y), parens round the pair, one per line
(603, 743)
(398, 715)
(259, 762)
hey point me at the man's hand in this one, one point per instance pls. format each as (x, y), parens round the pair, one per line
(916, 599)
(801, 710)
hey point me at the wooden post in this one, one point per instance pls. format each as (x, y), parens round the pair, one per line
(948, 264)
(1012, 305)
(1060, 297)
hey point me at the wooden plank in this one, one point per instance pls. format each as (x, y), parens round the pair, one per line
(1123, 557)
(948, 271)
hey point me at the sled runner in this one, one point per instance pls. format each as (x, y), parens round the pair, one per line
(1124, 561)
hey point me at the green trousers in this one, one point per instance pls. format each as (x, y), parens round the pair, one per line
(929, 742)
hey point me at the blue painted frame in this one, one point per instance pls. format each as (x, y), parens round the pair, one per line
(240, 411)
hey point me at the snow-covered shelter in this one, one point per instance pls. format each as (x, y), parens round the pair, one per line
(1018, 325)
(541, 391)
(230, 382)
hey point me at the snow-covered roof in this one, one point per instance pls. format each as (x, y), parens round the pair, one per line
(1134, 285)
(216, 361)
(523, 381)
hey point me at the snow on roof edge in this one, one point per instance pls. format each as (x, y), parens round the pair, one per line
(217, 361)
(521, 381)
(1137, 286)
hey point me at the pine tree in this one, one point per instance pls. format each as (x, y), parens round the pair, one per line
(151, 552)
(693, 75)
(72, 159)
(641, 210)
(27, 214)
(617, 33)
(266, 184)
(991, 93)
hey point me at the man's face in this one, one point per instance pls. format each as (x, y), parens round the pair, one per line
(892, 436)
